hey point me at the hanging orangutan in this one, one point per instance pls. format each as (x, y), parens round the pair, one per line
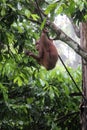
(47, 52)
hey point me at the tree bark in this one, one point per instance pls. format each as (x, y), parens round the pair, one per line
(84, 77)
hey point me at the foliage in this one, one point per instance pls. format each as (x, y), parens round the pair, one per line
(32, 98)
(75, 9)
(38, 100)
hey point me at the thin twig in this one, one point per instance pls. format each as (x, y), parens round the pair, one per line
(39, 10)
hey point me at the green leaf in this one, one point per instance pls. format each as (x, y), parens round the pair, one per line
(50, 8)
(85, 17)
(51, 93)
(4, 91)
(18, 80)
(10, 37)
(59, 10)
(34, 16)
(30, 100)
(24, 77)
(43, 23)
(3, 12)
(27, 13)
(56, 91)
(66, 90)
(42, 82)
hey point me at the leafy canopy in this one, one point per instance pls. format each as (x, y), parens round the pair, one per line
(32, 98)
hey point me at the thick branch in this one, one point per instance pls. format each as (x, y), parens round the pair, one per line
(69, 41)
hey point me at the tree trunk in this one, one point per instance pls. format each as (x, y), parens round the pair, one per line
(84, 77)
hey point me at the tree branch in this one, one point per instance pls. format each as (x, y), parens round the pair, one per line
(69, 41)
